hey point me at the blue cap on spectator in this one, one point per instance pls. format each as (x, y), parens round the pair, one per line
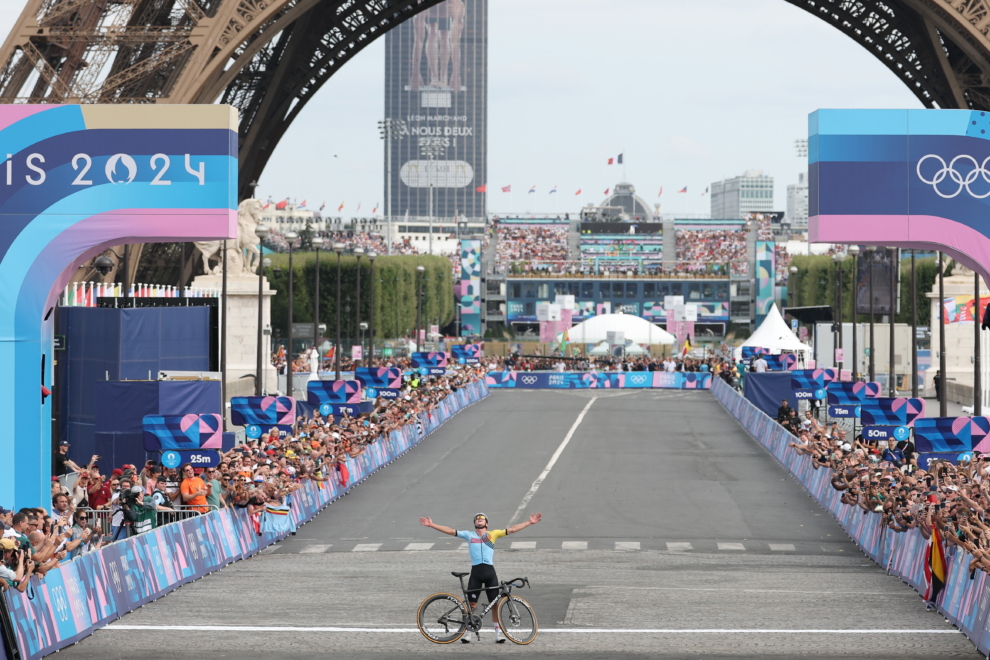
(4, 511)
(64, 443)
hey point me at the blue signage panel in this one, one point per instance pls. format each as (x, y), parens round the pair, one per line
(173, 458)
(843, 411)
(896, 433)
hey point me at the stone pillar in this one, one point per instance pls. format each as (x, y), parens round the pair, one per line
(242, 331)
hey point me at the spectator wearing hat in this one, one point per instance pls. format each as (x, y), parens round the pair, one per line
(99, 490)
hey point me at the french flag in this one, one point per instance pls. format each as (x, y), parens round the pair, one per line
(683, 190)
(554, 190)
(615, 161)
(533, 189)
(507, 188)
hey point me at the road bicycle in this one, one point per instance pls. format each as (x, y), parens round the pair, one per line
(444, 618)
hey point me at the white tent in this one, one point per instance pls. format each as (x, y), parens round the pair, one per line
(604, 349)
(775, 334)
(637, 330)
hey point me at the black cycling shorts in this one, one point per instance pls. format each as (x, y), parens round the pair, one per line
(483, 575)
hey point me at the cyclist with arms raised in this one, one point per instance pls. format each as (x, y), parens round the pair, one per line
(481, 546)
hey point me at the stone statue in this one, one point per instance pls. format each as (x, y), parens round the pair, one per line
(314, 364)
(248, 217)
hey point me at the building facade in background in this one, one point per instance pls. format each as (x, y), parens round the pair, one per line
(436, 81)
(735, 198)
(797, 203)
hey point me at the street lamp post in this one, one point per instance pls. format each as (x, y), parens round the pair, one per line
(358, 252)
(419, 303)
(838, 259)
(431, 151)
(895, 261)
(872, 250)
(371, 320)
(262, 231)
(317, 242)
(338, 248)
(854, 253)
(914, 329)
(362, 327)
(391, 129)
(290, 238)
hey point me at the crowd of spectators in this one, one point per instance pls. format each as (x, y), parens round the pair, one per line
(90, 509)
(698, 249)
(885, 477)
(718, 365)
(531, 243)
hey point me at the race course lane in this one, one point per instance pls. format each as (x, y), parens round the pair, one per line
(667, 531)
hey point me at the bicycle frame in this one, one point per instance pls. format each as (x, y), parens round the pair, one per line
(504, 591)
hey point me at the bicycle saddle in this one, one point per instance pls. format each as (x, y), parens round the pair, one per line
(459, 575)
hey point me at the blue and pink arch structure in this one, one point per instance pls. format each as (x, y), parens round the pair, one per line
(903, 178)
(75, 180)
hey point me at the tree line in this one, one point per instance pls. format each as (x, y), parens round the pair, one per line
(395, 292)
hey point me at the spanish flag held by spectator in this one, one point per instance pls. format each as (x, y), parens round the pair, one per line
(687, 347)
(935, 569)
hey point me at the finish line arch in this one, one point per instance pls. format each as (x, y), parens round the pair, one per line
(79, 179)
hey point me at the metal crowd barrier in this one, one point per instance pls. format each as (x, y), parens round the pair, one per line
(101, 519)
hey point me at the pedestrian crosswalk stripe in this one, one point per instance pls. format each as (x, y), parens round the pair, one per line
(314, 549)
(627, 545)
(524, 545)
(675, 546)
(366, 547)
(419, 546)
(463, 546)
(574, 545)
(782, 547)
(730, 546)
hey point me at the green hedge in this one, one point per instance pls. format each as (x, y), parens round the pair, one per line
(395, 292)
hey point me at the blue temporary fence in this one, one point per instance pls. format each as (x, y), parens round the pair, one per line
(965, 601)
(542, 380)
(73, 600)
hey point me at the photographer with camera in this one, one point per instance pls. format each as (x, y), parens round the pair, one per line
(125, 505)
(15, 566)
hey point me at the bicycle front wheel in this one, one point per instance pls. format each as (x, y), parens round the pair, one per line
(442, 618)
(518, 620)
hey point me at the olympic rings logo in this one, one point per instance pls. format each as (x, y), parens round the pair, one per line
(959, 178)
(528, 380)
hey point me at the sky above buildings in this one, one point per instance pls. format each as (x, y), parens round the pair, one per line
(689, 95)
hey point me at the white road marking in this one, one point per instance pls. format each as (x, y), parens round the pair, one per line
(675, 546)
(463, 546)
(269, 550)
(366, 547)
(419, 546)
(523, 545)
(574, 545)
(627, 545)
(782, 547)
(731, 546)
(553, 459)
(665, 631)
(314, 549)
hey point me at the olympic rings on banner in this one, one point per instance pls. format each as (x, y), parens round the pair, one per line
(979, 170)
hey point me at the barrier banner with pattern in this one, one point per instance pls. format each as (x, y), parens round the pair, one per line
(964, 601)
(541, 380)
(73, 600)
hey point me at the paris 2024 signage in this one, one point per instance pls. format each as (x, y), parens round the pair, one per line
(902, 178)
(75, 180)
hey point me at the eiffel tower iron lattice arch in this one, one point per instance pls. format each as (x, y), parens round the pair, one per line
(267, 58)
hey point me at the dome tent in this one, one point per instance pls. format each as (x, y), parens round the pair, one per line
(776, 335)
(637, 330)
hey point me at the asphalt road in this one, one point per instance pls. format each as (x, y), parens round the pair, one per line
(667, 533)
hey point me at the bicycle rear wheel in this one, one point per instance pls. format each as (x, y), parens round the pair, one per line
(518, 620)
(442, 618)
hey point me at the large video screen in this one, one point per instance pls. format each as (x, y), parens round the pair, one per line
(436, 71)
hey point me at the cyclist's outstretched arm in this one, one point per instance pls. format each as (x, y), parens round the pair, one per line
(533, 519)
(439, 528)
